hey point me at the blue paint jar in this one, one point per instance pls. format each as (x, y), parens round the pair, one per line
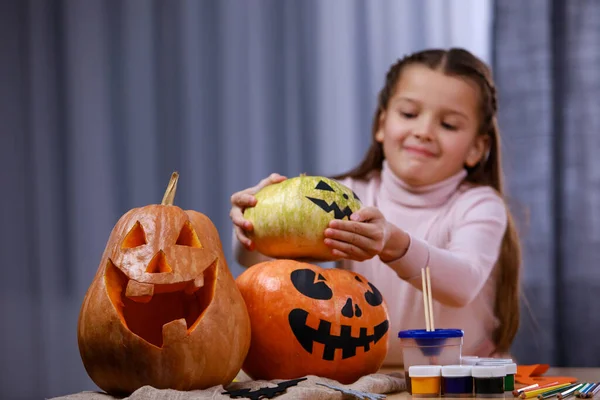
(457, 381)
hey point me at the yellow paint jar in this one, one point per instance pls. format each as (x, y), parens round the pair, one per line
(425, 380)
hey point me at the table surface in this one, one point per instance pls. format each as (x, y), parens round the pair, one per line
(583, 374)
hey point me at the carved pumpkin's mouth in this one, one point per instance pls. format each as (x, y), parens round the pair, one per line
(337, 212)
(345, 341)
(159, 313)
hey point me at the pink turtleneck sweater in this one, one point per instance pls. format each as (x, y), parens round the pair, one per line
(455, 229)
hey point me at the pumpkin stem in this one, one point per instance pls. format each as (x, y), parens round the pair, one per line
(169, 196)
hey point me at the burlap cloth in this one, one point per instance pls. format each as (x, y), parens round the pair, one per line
(308, 389)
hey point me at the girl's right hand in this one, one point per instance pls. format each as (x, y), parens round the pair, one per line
(244, 199)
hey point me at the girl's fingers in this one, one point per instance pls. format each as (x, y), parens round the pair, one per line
(366, 214)
(244, 240)
(352, 251)
(359, 228)
(357, 240)
(339, 253)
(243, 199)
(237, 217)
(269, 180)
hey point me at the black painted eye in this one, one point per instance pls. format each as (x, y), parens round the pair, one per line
(324, 186)
(373, 297)
(304, 282)
(357, 278)
(355, 196)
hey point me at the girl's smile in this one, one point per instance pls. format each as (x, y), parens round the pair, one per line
(419, 152)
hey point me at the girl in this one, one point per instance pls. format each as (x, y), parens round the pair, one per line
(432, 193)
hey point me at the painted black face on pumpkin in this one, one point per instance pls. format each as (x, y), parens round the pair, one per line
(318, 288)
(338, 212)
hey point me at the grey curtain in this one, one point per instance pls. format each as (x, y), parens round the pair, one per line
(100, 100)
(546, 57)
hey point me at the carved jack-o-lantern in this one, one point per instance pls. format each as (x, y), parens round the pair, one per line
(310, 320)
(290, 217)
(163, 309)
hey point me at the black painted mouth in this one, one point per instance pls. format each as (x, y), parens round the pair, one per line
(337, 212)
(306, 336)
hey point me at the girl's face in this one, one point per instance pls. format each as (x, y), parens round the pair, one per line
(429, 129)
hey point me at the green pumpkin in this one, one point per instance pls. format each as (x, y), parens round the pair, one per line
(290, 217)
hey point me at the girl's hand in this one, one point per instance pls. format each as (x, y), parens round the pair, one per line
(244, 199)
(363, 237)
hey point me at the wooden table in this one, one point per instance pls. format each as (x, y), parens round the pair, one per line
(583, 374)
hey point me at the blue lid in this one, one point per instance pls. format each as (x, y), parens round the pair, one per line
(437, 334)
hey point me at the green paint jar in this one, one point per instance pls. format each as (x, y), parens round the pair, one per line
(509, 379)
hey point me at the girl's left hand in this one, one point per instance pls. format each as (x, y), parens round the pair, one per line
(363, 237)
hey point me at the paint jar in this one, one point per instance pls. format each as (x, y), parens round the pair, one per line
(425, 380)
(510, 370)
(469, 360)
(421, 347)
(457, 381)
(509, 379)
(488, 380)
(495, 360)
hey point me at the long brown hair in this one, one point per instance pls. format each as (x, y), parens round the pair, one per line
(461, 63)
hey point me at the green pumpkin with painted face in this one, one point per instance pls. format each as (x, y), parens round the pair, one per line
(290, 216)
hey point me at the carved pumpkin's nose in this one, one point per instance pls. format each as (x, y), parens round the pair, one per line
(349, 311)
(159, 264)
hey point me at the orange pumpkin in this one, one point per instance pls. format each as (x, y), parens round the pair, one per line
(308, 320)
(163, 309)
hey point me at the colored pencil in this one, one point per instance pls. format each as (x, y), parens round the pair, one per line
(569, 392)
(540, 389)
(588, 392)
(533, 393)
(553, 392)
(596, 390)
(582, 389)
(517, 392)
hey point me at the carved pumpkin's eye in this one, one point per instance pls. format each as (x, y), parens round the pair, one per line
(373, 297)
(135, 237)
(304, 281)
(355, 196)
(188, 236)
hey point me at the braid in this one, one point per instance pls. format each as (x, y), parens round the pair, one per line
(390, 80)
(491, 89)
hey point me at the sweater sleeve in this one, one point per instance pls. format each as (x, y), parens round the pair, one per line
(459, 272)
(244, 257)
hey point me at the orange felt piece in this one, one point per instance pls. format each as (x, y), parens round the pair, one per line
(532, 374)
